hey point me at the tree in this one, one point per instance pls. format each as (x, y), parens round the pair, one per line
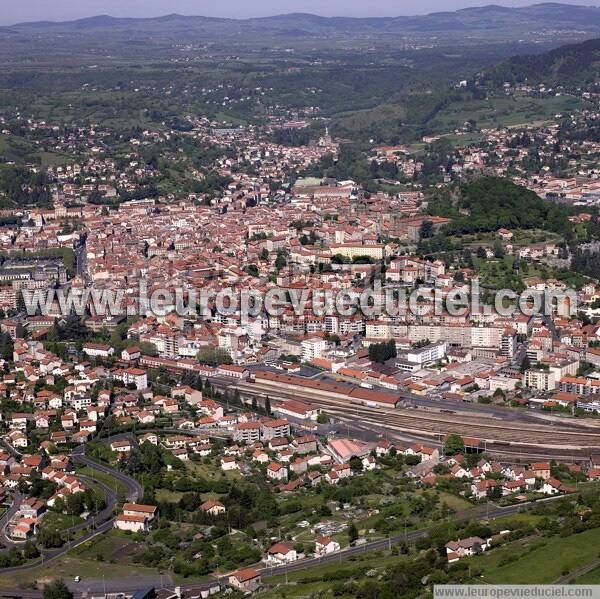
(380, 352)
(267, 405)
(280, 261)
(57, 590)
(49, 538)
(30, 551)
(214, 356)
(356, 464)
(494, 492)
(426, 230)
(6, 346)
(498, 249)
(352, 533)
(454, 444)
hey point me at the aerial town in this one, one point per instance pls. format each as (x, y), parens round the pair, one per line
(154, 436)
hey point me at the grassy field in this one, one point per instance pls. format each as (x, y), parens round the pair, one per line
(454, 502)
(166, 495)
(592, 577)
(17, 150)
(506, 111)
(211, 471)
(294, 586)
(538, 560)
(371, 117)
(67, 567)
(115, 546)
(496, 273)
(56, 521)
(107, 479)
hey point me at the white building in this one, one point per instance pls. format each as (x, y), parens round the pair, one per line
(325, 545)
(428, 354)
(131, 523)
(313, 347)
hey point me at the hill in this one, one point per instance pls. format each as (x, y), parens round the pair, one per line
(493, 20)
(573, 64)
(491, 203)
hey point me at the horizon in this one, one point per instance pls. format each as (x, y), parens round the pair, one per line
(69, 10)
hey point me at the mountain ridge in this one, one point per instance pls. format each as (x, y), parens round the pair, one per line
(466, 18)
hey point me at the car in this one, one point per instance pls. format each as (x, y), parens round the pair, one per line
(77, 579)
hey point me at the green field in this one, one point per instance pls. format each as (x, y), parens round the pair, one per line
(104, 556)
(17, 149)
(107, 479)
(539, 560)
(504, 111)
(57, 521)
(211, 471)
(592, 577)
(303, 584)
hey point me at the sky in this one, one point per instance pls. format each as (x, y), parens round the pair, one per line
(16, 11)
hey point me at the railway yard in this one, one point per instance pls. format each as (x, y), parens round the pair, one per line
(503, 431)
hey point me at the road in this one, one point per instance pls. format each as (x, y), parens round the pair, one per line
(81, 263)
(101, 524)
(135, 491)
(17, 498)
(478, 512)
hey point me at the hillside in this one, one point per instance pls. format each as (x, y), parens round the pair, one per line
(491, 203)
(574, 64)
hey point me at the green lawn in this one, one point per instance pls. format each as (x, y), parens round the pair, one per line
(539, 560)
(57, 521)
(592, 577)
(166, 495)
(454, 502)
(116, 547)
(210, 471)
(107, 479)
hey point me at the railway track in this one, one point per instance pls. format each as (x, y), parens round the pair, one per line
(566, 437)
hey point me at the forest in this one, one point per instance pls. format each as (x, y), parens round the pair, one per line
(491, 203)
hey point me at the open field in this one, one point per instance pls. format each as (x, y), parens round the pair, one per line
(111, 482)
(538, 560)
(303, 584)
(58, 521)
(592, 577)
(16, 149)
(115, 546)
(69, 566)
(503, 111)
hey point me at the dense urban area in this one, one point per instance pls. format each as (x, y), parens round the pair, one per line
(303, 451)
